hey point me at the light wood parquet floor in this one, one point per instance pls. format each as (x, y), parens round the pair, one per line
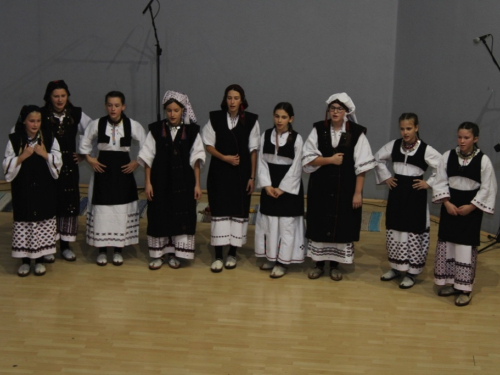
(83, 319)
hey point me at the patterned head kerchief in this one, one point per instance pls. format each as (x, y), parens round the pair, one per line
(188, 113)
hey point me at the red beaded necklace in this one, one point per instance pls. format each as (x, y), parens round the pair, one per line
(410, 146)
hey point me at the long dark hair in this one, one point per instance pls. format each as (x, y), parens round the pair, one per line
(244, 103)
(54, 85)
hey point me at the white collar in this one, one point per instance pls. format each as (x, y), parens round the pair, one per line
(342, 129)
(282, 138)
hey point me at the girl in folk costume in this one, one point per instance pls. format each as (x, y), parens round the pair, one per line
(66, 122)
(337, 155)
(407, 235)
(172, 156)
(232, 137)
(279, 230)
(32, 164)
(112, 213)
(466, 186)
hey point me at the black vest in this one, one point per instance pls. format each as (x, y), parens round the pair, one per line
(173, 208)
(288, 205)
(226, 184)
(67, 185)
(464, 230)
(418, 159)
(231, 141)
(471, 170)
(33, 189)
(287, 150)
(105, 192)
(330, 216)
(66, 131)
(125, 141)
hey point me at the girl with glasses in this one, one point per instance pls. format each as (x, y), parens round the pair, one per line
(337, 155)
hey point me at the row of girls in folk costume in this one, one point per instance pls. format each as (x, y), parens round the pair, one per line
(172, 153)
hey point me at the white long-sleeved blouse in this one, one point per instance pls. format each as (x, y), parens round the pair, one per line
(11, 169)
(383, 158)
(148, 150)
(137, 132)
(209, 137)
(485, 197)
(291, 181)
(363, 157)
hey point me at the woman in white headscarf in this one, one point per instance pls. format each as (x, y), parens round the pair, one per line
(172, 156)
(337, 155)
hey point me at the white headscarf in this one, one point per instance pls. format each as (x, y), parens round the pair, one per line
(347, 101)
(187, 112)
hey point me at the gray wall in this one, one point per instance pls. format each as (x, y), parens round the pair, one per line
(390, 56)
(286, 50)
(445, 78)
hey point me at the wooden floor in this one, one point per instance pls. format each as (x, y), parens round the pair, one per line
(83, 319)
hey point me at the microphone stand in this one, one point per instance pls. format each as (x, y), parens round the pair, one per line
(495, 239)
(158, 54)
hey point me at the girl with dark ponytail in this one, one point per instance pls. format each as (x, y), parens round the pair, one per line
(407, 215)
(466, 187)
(279, 230)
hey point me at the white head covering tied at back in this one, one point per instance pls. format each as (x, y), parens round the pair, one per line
(187, 112)
(347, 101)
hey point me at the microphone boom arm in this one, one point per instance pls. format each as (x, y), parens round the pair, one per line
(490, 52)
